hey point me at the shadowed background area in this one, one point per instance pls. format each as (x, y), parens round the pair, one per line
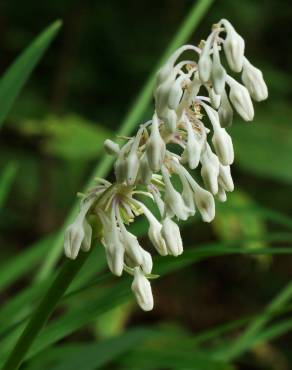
(52, 139)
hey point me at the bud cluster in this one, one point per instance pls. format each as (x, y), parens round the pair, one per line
(167, 148)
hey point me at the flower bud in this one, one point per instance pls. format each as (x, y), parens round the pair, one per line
(192, 151)
(147, 263)
(173, 199)
(142, 290)
(225, 179)
(120, 169)
(115, 256)
(233, 47)
(223, 146)
(218, 73)
(171, 234)
(205, 65)
(132, 246)
(145, 170)
(210, 171)
(131, 167)
(175, 94)
(74, 236)
(170, 120)
(240, 98)
(114, 248)
(214, 99)
(86, 244)
(154, 234)
(111, 147)
(253, 79)
(225, 111)
(205, 203)
(221, 195)
(156, 148)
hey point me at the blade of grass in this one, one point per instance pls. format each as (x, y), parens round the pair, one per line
(6, 180)
(131, 120)
(19, 265)
(16, 76)
(247, 338)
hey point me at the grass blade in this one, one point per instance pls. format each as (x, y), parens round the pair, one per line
(6, 181)
(16, 76)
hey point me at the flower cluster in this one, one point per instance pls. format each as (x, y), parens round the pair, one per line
(170, 146)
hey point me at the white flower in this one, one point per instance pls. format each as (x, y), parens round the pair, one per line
(114, 251)
(253, 79)
(218, 73)
(240, 98)
(86, 244)
(192, 151)
(131, 167)
(233, 47)
(225, 111)
(111, 147)
(154, 231)
(175, 94)
(205, 62)
(215, 99)
(205, 203)
(132, 246)
(210, 170)
(155, 236)
(74, 236)
(170, 119)
(142, 290)
(120, 168)
(79, 231)
(223, 146)
(155, 149)
(147, 262)
(171, 234)
(173, 199)
(145, 170)
(225, 178)
(221, 195)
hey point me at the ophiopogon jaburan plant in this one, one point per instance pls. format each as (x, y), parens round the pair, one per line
(186, 91)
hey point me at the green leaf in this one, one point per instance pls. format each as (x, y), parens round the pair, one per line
(19, 265)
(97, 354)
(69, 137)
(16, 76)
(6, 180)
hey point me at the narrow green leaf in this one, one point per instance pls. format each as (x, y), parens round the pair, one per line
(15, 77)
(19, 265)
(6, 179)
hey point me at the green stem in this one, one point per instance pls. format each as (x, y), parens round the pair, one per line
(140, 105)
(70, 268)
(46, 306)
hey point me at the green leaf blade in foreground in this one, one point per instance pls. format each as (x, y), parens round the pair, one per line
(16, 76)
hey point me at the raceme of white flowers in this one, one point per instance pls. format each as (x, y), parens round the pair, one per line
(169, 147)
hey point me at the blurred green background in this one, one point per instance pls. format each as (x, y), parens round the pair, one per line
(52, 139)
